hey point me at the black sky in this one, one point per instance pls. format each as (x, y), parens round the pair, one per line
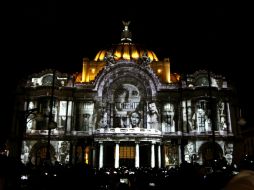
(39, 35)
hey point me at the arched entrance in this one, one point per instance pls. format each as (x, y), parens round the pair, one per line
(38, 153)
(210, 151)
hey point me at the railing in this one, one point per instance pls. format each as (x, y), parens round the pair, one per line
(133, 131)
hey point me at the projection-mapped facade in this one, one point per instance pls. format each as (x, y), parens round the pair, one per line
(126, 108)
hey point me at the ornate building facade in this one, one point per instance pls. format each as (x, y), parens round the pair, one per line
(126, 108)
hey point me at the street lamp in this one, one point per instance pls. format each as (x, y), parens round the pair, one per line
(51, 123)
(25, 117)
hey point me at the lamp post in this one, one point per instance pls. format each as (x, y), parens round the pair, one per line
(211, 115)
(51, 123)
(24, 117)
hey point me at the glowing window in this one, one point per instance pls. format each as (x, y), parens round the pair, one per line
(127, 152)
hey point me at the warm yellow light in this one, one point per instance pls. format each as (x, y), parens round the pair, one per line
(117, 54)
(154, 57)
(102, 55)
(93, 70)
(150, 55)
(97, 56)
(126, 53)
(135, 55)
(86, 158)
(126, 56)
(167, 71)
(159, 70)
(84, 69)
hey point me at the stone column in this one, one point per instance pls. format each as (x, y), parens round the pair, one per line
(93, 157)
(229, 118)
(117, 155)
(152, 155)
(159, 156)
(137, 155)
(101, 155)
(179, 151)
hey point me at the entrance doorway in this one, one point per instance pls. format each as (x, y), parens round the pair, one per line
(145, 155)
(127, 156)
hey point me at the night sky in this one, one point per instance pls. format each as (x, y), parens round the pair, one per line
(38, 35)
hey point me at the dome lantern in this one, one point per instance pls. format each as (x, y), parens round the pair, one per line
(126, 50)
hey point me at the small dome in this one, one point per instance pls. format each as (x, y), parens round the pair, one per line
(126, 50)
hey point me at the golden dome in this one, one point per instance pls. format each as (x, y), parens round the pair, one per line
(126, 50)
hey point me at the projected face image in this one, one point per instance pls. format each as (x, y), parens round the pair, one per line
(229, 148)
(126, 97)
(152, 116)
(103, 120)
(190, 147)
(152, 108)
(134, 119)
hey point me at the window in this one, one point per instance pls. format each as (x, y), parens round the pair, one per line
(126, 152)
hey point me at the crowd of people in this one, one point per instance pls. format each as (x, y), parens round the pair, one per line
(15, 175)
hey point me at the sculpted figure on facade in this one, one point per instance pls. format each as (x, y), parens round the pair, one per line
(189, 151)
(201, 118)
(152, 116)
(63, 152)
(228, 152)
(109, 58)
(25, 152)
(145, 60)
(168, 123)
(171, 153)
(222, 116)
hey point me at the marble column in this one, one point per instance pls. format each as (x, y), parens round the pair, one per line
(101, 155)
(229, 119)
(159, 156)
(180, 152)
(152, 155)
(137, 155)
(117, 155)
(93, 157)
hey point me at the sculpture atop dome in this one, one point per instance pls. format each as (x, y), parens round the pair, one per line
(126, 34)
(126, 24)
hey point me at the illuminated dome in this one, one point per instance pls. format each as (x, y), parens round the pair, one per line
(126, 50)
